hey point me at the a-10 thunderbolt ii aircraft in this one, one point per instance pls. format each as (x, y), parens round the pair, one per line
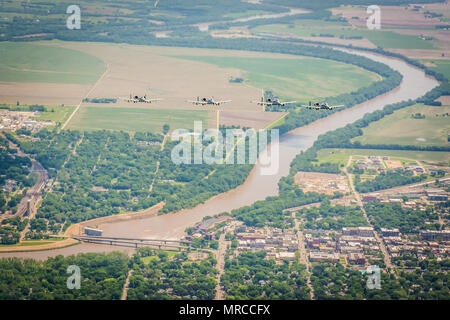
(321, 106)
(137, 99)
(272, 102)
(206, 101)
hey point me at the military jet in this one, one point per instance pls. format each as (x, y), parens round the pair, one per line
(206, 101)
(321, 106)
(137, 99)
(272, 102)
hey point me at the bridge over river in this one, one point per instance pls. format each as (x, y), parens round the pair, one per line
(176, 245)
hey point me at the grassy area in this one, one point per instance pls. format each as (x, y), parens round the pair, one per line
(170, 255)
(333, 157)
(384, 39)
(400, 128)
(441, 66)
(430, 156)
(296, 78)
(56, 114)
(137, 119)
(26, 243)
(27, 62)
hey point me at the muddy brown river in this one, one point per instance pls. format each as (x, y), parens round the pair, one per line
(257, 186)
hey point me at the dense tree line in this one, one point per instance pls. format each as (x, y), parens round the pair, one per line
(393, 215)
(50, 149)
(328, 217)
(106, 172)
(269, 212)
(162, 278)
(387, 180)
(9, 235)
(16, 168)
(102, 277)
(336, 282)
(251, 276)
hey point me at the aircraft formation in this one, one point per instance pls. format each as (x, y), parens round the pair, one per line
(263, 102)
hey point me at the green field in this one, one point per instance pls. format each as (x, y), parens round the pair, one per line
(56, 114)
(336, 155)
(137, 119)
(26, 243)
(295, 78)
(384, 39)
(441, 66)
(27, 62)
(170, 255)
(400, 128)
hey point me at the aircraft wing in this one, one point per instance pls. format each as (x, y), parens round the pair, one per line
(196, 102)
(224, 101)
(153, 100)
(289, 102)
(262, 103)
(335, 107)
(128, 99)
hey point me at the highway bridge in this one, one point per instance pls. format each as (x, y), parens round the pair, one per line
(176, 245)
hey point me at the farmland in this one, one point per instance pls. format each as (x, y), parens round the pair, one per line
(174, 75)
(138, 119)
(401, 128)
(300, 78)
(26, 62)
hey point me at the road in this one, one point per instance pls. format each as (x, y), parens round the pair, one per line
(125, 286)
(387, 257)
(220, 257)
(87, 95)
(304, 255)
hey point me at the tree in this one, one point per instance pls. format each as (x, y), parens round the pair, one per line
(166, 128)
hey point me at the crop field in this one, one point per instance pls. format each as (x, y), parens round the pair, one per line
(172, 74)
(338, 154)
(401, 128)
(138, 119)
(26, 62)
(301, 78)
